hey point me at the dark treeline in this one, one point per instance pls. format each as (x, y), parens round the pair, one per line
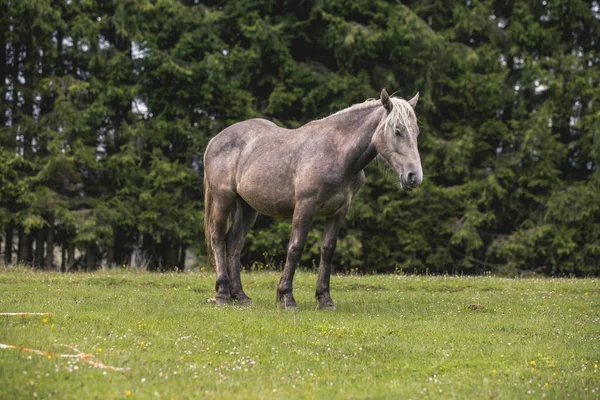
(106, 108)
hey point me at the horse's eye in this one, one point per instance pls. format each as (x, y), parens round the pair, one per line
(398, 132)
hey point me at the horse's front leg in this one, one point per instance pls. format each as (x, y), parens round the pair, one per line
(303, 216)
(333, 224)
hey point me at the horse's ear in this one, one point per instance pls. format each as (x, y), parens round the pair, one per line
(413, 101)
(385, 100)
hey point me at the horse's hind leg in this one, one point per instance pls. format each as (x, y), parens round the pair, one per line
(221, 208)
(243, 220)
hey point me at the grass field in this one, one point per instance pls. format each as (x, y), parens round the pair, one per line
(393, 337)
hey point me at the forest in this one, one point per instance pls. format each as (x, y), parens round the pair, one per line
(106, 107)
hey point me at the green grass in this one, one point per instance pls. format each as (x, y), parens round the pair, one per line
(391, 337)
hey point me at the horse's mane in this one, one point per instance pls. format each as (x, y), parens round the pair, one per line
(402, 113)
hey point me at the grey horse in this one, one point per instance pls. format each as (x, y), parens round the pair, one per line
(255, 166)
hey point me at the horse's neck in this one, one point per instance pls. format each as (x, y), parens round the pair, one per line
(355, 132)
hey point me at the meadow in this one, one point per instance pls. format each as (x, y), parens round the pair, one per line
(392, 336)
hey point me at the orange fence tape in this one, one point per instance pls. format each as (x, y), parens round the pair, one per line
(80, 356)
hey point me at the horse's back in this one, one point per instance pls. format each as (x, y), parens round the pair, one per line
(235, 137)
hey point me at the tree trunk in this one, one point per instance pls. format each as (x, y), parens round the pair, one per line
(30, 248)
(50, 245)
(8, 246)
(120, 250)
(25, 247)
(19, 243)
(70, 254)
(90, 258)
(181, 263)
(110, 255)
(149, 256)
(3, 71)
(28, 95)
(171, 251)
(38, 261)
(63, 257)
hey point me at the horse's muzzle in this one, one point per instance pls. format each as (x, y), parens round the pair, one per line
(411, 180)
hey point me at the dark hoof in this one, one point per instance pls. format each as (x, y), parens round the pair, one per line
(288, 302)
(325, 302)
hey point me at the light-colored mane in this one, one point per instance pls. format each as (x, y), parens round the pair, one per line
(401, 114)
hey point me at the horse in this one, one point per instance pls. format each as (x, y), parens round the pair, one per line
(255, 166)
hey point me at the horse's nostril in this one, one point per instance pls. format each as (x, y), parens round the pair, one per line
(411, 178)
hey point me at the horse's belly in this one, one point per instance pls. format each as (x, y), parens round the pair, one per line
(277, 197)
(269, 200)
(274, 206)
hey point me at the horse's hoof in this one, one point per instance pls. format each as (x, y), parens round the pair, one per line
(288, 302)
(325, 302)
(289, 305)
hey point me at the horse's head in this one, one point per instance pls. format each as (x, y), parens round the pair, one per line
(396, 139)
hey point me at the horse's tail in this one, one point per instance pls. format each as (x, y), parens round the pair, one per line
(208, 221)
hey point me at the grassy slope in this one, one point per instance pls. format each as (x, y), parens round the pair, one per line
(391, 337)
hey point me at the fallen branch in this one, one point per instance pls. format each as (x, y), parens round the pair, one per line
(79, 356)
